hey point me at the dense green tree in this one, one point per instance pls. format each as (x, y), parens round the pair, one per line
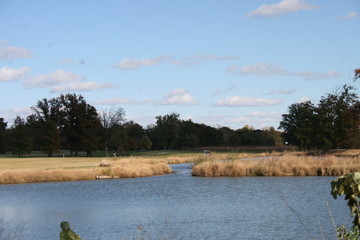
(167, 130)
(19, 138)
(336, 116)
(271, 137)
(298, 124)
(230, 137)
(209, 136)
(188, 135)
(333, 123)
(145, 143)
(79, 123)
(44, 125)
(3, 126)
(134, 132)
(247, 136)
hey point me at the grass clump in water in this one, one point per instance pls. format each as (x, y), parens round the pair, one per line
(286, 165)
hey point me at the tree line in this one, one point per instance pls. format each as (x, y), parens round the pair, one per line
(331, 124)
(68, 122)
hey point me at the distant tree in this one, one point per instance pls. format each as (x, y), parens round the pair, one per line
(110, 119)
(272, 137)
(230, 137)
(188, 134)
(337, 115)
(45, 125)
(145, 142)
(209, 136)
(333, 123)
(50, 138)
(134, 132)
(79, 123)
(117, 139)
(298, 125)
(167, 130)
(19, 138)
(3, 126)
(247, 135)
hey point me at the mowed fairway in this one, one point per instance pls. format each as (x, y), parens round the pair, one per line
(45, 163)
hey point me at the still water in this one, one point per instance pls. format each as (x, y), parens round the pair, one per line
(176, 206)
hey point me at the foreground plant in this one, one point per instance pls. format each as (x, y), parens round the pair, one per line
(343, 234)
(348, 185)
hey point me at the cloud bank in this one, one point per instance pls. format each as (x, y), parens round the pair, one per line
(237, 101)
(280, 8)
(130, 64)
(63, 81)
(350, 15)
(178, 97)
(268, 70)
(12, 74)
(8, 52)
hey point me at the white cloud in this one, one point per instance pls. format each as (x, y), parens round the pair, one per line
(280, 8)
(256, 119)
(10, 114)
(350, 15)
(237, 101)
(116, 101)
(66, 61)
(312, 75)
(282, 92)
(220, 91)
(260, 69)
(128, 64)
(265, 114)
(63, 81)
(178, 97)
(12, 74)
(270, 69)
(79, 87)
(200, 58)
(52, 79)
(8, 53)
(304, 99)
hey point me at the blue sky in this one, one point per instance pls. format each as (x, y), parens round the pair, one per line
(223, 63)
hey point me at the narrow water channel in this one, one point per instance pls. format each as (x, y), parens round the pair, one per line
(176, 206)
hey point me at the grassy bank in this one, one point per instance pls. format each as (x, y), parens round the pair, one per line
(27, 170)
(285, 165)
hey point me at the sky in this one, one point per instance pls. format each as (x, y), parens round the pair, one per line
(222, 63)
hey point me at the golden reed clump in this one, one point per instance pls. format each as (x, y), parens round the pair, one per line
(286, 165)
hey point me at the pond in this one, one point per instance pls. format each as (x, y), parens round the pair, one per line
(176, 206)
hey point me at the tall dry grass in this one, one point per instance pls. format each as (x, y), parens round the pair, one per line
(138, 167)
(286, 165)
(123, 168)
(56, 175)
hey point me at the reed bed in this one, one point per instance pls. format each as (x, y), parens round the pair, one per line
(57, 175)
(123, 168)
(138, 167)
(286, 165)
